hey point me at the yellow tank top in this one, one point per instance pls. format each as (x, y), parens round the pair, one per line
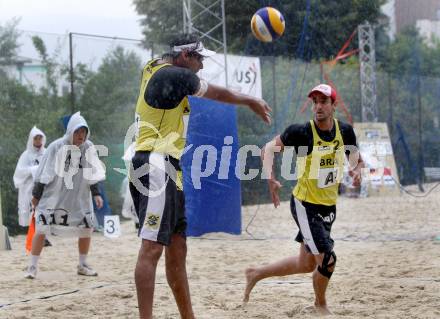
(159, 130)
(320, 172)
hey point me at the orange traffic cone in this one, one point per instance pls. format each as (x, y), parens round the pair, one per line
(30, 234)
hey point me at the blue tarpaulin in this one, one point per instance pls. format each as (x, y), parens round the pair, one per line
(212, 203)
(105, 210)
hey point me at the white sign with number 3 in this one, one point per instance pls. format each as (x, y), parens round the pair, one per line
(112, 227)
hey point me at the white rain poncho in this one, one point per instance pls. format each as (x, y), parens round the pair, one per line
(128, 210)
(68, 171)
(24, 175)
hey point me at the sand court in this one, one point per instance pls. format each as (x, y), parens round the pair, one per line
(388, 267)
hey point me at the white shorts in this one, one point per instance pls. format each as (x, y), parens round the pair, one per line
(23, 218)
(62, 223)
(161, 210)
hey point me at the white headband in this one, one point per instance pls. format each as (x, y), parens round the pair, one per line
(194, 47)
(190, 46)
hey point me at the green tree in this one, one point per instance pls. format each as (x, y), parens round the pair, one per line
(8, 42)
(49, 64)
(330, 23)
(111, 94)
(21, 109)
(108, 102)
(408, 78)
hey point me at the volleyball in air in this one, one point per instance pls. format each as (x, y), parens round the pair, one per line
(267, 24)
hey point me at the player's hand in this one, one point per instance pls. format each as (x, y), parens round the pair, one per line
(274, 187)
(261, 108)
(98, 201)
(357, 177)
(34, 202)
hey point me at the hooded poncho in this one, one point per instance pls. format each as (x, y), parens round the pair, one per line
(67, 171)
(24, 174)
(128, 210)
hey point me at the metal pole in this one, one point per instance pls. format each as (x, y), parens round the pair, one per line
(390, 104)
(419, 111)
(420, 124)
(71, 69)
(185, 23)
(190, 24)
(274, 90)
(104, 36)
(225, 47)
(215, 12)
(367, 59)
(72, 91)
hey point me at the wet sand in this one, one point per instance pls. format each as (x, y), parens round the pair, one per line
(388, 267)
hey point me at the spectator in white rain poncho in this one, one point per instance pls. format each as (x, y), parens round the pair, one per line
(25, 171)
(128, 210)
(65, 182)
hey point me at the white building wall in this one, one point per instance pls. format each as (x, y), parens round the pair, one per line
(429, 30)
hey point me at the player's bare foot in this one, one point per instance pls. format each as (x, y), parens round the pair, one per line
(251, 280)
(323, 310)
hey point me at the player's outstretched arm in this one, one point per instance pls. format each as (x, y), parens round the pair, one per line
(356, 170)
(99, 202)
(34, 202)
(267, 158)
(221, 94)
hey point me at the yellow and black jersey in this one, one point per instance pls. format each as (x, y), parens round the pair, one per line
(162, 109)
(320, 159)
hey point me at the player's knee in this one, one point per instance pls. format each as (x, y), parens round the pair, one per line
(309, 266)
(150, 251)
(328, 265)
(39, 237)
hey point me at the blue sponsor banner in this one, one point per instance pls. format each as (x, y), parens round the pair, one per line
(212, 190)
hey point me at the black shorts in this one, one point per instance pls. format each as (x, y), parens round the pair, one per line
(315, 223)
(159, 203)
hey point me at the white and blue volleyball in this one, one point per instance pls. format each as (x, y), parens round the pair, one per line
(267, 24)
